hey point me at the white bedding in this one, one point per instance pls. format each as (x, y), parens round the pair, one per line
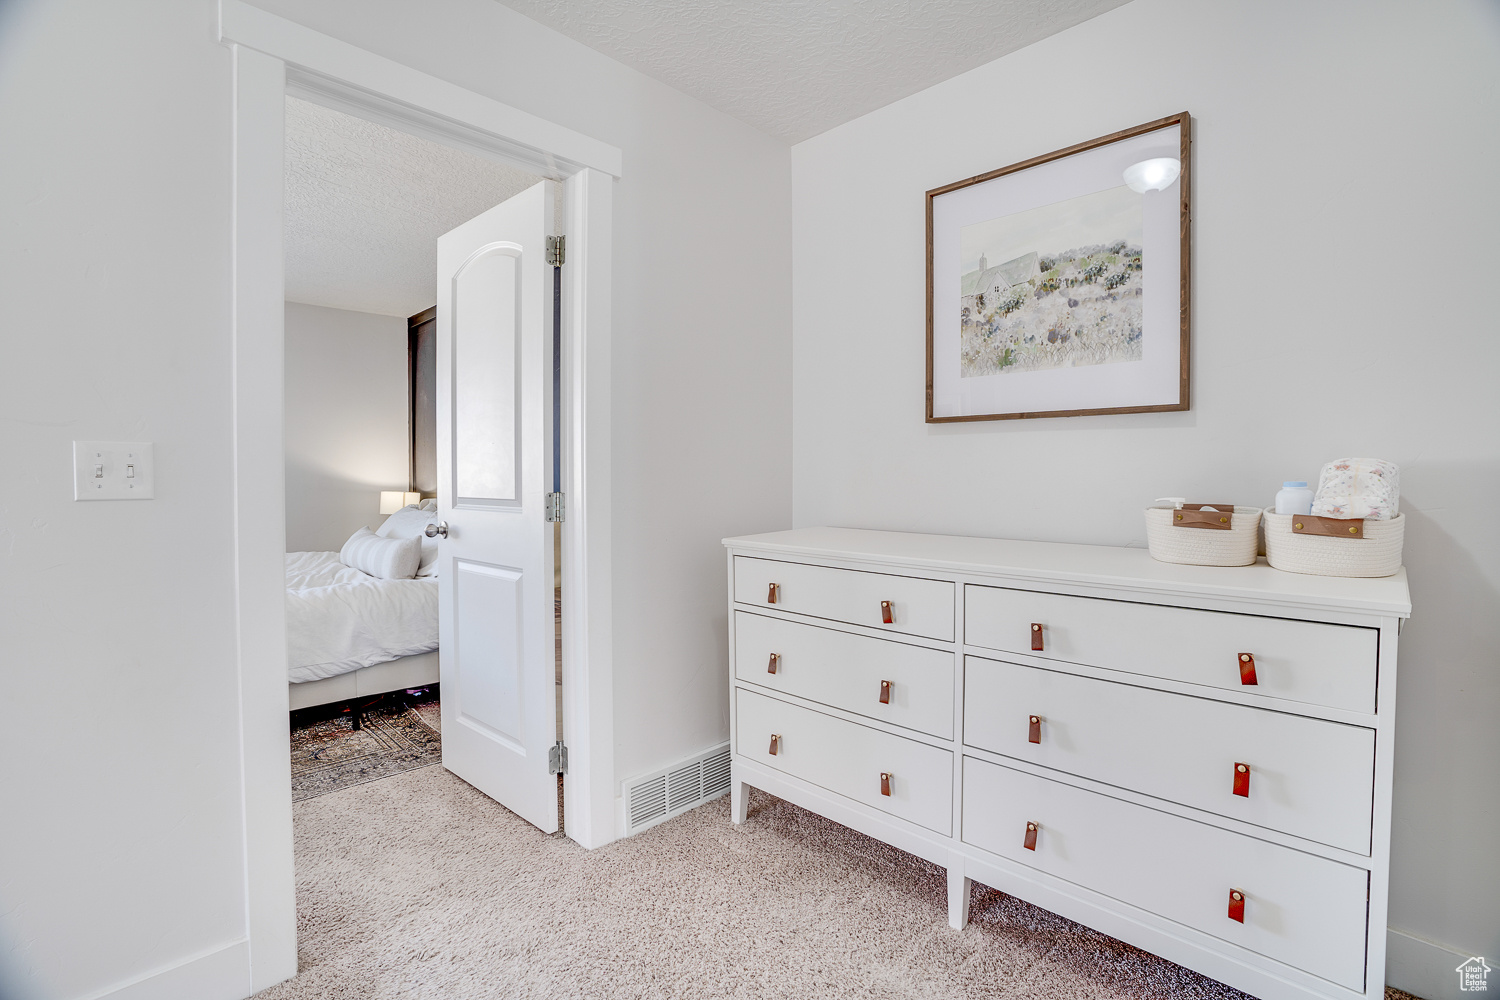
(339, 619)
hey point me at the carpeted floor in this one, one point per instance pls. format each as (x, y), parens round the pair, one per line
(418, 886)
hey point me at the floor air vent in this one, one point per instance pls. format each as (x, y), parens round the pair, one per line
(653, 798)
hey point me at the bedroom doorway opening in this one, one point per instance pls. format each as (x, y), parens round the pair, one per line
(379, 586)
(274, 58)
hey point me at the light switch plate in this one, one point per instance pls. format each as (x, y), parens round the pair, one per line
(113, 470)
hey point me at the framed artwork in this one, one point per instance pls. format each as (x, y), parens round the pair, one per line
(1058, 286)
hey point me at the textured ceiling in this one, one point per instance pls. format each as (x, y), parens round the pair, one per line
(365, 205)
(794, 68)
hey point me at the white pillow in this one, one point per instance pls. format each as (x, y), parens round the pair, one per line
(412, 522)
(384, 558)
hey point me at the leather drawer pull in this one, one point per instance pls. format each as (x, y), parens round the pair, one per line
(887, 613)
(773, 594)
(1034, 731)
(1334, 527)
(885, 692)
(1036, 637)
(1030, 841)
(1236, 905)
(1242, 779)
(1247, 669)
(774, 664)
(885, 783)
(775, 744)
(1192, 515)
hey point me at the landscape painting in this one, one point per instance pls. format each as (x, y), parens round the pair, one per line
(1058, 286)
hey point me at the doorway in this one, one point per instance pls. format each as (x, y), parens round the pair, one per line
(274, 58)
(367, 207)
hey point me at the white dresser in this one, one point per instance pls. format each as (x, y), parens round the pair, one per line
(1194, 760)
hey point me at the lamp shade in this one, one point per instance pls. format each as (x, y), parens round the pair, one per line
(1153, 175)
(393, 500)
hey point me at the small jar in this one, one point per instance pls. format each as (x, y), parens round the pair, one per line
(1294, 498)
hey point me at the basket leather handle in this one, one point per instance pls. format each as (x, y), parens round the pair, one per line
(1192, 515)
(1333, 527)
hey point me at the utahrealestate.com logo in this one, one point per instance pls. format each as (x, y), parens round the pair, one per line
(1474, 975)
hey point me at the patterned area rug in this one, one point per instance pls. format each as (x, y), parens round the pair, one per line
(400, 732)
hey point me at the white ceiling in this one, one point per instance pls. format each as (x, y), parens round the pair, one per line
(365, 205)
(794, 68)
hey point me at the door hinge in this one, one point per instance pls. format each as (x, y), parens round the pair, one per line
(557, 249)
(557, 759)
(555, 506)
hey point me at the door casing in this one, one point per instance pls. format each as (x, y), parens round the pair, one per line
(272, 58)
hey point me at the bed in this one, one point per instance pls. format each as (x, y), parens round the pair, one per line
(351, 635)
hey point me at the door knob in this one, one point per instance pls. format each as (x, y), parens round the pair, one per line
(434, 530)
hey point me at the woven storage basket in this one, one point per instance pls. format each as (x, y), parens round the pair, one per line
(1203, 546)
(1378, 553)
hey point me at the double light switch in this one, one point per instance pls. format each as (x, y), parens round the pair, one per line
(113, 470)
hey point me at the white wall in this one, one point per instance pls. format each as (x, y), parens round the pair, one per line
(1345, 217)
(121, 850)
(346, 422)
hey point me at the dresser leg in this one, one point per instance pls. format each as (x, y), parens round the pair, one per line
(739, 800)
(958, 898)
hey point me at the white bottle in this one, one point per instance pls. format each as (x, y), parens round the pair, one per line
(1294, 498)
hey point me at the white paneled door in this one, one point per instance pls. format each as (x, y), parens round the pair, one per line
(494, 357)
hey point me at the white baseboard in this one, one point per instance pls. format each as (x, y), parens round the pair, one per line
(218, 974)
(1427, 969)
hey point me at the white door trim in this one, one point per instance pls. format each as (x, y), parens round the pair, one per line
(273, 56)
(409, 99)
(588, 666)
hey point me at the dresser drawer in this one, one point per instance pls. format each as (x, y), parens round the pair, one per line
(1305, 777)
(852, 672)
(1299, 909)
(1310, 662)
(917, 606)
(847, 758)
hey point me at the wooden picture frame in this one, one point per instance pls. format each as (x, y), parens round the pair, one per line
(1016, 340)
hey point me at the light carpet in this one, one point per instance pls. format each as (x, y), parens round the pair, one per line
(418, 886)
